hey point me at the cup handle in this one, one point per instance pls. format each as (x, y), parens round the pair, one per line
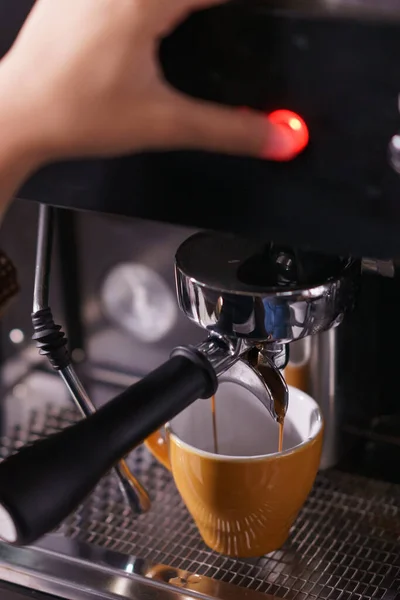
(157, 444)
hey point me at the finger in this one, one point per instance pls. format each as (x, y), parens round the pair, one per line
(204, 126)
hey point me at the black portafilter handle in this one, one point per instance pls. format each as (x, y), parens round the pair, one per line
(45, 482)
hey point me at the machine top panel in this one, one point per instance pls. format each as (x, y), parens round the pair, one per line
(339, 74)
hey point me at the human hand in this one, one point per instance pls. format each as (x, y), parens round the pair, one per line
(84, 80)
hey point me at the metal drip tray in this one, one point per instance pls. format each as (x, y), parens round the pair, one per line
(345, 544)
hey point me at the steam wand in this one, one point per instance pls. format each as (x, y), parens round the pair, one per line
(51, 341)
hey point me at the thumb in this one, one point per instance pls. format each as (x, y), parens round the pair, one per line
(202, 125)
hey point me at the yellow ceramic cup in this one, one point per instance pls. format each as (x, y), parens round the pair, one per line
(244, 499)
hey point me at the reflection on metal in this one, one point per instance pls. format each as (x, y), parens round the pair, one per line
(219, 287)
(262, 377)
(325, 389)
(385, 268)
(267, 384)
(79, 571)
(137, 298)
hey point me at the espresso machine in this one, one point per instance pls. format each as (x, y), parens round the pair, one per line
(266, 262)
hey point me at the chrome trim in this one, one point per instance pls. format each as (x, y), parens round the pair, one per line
(385, 268)
(230, 364)
(221, 352)
(212, 293)
(79, 571)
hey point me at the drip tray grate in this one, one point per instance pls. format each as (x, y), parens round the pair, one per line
(345, 544)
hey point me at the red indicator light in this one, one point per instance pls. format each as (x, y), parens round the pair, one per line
(296, 126)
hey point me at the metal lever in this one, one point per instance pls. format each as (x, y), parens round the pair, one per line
(52, 343)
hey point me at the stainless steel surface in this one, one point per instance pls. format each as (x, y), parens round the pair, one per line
(300, 352)
(213, 293)
(385, 268)
(134, 493)
(95, 572)
(224, 355)
(318, 359)
(43, 258)
(386, 10)
(139, 301)
(250, 378)
(345, 543)
(265, 296)
(221, 351)
(277, 353)
(77, 391)
(394, 152)
(127, 244)
(324, 388)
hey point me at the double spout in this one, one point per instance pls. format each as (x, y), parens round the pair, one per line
(254, 368)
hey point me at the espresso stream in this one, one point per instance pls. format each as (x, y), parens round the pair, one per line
(280, 442)
(214, 423)
(215, 432)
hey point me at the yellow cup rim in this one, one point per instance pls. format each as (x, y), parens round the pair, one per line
(259, 457)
